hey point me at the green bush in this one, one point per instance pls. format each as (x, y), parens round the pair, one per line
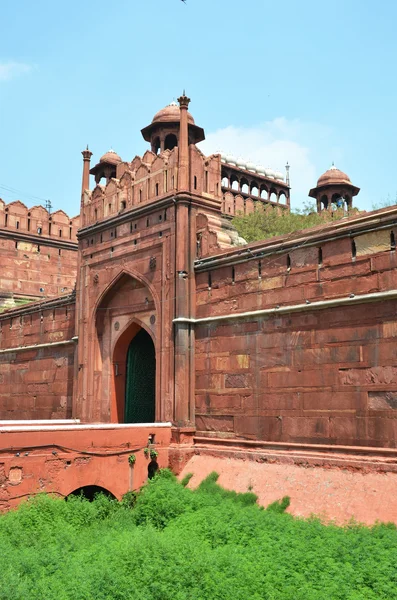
(266, 222)
(172, 543)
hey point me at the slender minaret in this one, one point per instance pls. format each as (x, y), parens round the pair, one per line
(85, 185)
(287, 174)
(183, 175)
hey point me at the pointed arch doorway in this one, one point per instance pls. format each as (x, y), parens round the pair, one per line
(140, 380)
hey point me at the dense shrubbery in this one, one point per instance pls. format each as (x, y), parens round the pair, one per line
(175, 544)
(266, 222)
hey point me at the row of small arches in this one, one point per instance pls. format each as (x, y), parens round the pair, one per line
(252, 189)
(335, 201)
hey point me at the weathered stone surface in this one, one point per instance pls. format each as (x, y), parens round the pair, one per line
(382, 400)
(372, 243)
(235, 381)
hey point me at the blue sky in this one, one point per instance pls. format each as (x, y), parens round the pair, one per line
(309, 82)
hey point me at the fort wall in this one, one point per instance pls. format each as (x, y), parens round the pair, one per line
(300, 371)
(38, 254)
(37, 361)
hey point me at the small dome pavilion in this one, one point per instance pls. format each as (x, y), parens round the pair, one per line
(334, 190)
(106, 166)
(163, 132)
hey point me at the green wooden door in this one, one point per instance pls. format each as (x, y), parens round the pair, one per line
(140, 380)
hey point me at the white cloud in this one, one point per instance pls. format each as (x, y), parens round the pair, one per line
(272, 144)
(11, 69)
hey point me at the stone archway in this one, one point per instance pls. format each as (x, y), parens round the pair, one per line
(127, 312)
(134, 376)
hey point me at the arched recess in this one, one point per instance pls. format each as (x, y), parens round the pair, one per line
(264, 192)
(282, 198)
(89, 492)
(244, 185)
(254, 189)
(324, 201)
(156, 145)
(134, 361)
(338, 201)
(234, 183)
(170, 141)
(125, 309)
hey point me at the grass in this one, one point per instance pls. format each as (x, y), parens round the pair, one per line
(172, 543)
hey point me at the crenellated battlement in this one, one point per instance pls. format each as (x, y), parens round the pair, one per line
(16, 216)
(149, 178)
(38, 253)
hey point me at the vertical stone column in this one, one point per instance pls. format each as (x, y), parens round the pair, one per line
(183, 175)
(184, 341)
(79, 374)
(85, 185)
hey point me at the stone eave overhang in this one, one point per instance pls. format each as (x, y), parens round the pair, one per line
(349, 227)
(135, 212)
(105, 163)
(39, 306)
(16, 236)
(147, 131)
(336, 184)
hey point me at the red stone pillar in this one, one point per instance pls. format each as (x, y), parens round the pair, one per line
(86, 170)
(184, 337)
(79, 374)
(183, 176)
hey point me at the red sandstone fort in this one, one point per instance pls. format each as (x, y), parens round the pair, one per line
(147, 324)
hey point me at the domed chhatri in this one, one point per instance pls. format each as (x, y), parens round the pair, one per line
(170, 114)
(332, 176)
(163, 131)
(107, 166)
(110, 157)
(334, 189)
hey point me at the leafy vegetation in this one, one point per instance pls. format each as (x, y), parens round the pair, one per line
(172, 543)
(266, 222)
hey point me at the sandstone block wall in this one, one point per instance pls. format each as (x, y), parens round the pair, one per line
(32, 271)
(37, 383)
(320, 376)
(38, 253)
